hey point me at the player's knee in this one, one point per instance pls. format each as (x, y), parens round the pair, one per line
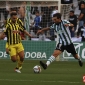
(75, 56)
(55, 55)
(13, 59)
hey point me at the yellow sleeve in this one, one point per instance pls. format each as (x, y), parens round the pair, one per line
(20, 22)
(6, 46)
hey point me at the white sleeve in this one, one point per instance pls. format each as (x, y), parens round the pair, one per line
(52, 26)
(66, 22)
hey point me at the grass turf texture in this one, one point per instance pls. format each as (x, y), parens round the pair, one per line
(58, 73)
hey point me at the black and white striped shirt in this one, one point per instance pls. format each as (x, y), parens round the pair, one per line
(63, 32)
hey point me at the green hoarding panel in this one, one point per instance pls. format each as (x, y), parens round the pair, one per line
(43, 50)
(33, 49)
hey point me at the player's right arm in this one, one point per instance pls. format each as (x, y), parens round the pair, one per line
(51, 26)
(42, 30)
(3, 34)
(6, 46)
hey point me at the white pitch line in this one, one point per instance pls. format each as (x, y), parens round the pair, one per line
(38, 81)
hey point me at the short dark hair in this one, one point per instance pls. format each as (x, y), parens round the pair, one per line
(58, 15)
(13, 13)
(72, 11)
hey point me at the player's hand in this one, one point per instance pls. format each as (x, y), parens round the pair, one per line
(7, 50)
(39, 31)
(66, 25)
(30, 36)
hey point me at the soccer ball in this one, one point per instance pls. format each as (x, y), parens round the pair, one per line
(37, 69)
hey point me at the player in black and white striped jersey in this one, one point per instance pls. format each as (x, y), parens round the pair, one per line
(61, 27)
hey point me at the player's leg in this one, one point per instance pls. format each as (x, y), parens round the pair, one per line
(59, 49)
(13, 53)
(18, 62)
(78, 58)
(73, 52)
(18, 67)
(51, 59)
(20, 52)
(21, 59)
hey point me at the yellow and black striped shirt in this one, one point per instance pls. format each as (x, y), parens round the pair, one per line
(13, 33)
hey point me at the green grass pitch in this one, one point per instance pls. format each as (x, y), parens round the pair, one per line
(58, 73)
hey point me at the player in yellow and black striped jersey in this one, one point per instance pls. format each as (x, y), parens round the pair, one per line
(21, 24)
(15, 46)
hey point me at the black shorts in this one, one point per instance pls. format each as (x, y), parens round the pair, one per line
(69, 48)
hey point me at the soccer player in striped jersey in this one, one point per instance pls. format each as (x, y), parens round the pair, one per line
(15, 46)
(65, 42)
(18, 21)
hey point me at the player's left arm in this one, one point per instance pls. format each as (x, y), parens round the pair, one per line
(67, 23)
(22, 28)
(27, 33)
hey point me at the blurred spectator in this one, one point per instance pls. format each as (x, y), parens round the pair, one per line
(36, 22)
(21, 11)
(43, 24)
(5, 11)
(81, 31)
(73, 20)
(55, 10)
(81, 17)
(81, 2)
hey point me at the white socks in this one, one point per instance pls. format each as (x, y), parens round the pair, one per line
(50, 60)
